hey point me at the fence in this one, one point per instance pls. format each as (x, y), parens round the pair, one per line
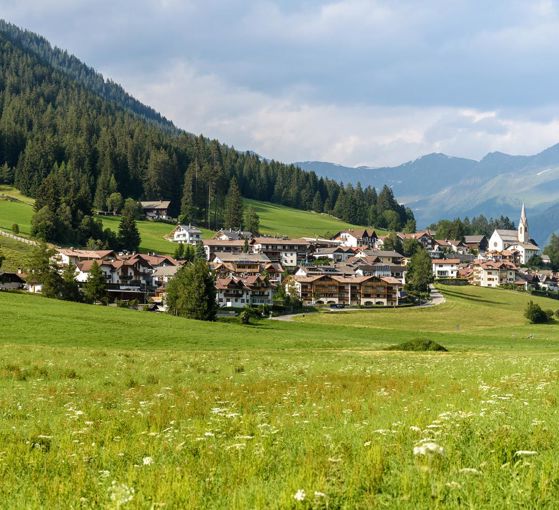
(18, 238)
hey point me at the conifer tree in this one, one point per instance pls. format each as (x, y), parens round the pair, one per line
(95, 287)
(233, 207)
(420, 273)
(128, 235)
(251, 221)
(191, 293)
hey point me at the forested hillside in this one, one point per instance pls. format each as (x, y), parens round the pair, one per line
(60, 119)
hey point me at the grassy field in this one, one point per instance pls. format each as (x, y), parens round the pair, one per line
(276, 219)
(16, 212)
(104, 407)
(17, 255)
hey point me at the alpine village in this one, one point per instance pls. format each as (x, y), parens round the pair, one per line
(188, 325)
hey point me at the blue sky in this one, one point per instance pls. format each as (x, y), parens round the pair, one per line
(370, 82)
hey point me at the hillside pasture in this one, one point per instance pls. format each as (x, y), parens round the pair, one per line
(105, 407)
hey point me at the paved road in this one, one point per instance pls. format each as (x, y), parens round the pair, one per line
(436, 299)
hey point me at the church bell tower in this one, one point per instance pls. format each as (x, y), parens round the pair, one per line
(523, 235)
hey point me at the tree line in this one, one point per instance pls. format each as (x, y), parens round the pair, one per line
(478, 225)
(58, 117)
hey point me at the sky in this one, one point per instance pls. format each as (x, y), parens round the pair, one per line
(354, 82)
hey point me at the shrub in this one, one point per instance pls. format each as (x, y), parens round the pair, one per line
(418, 345)
(535, 314)
(15, 228)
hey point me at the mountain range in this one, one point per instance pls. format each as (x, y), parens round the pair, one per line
(438, 186)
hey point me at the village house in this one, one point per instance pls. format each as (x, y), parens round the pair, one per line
(287, 252)
(11, 281)
(156, 209)
(424, 237)
(233, 235)
(67, 256)
(241, 265)
(336, 253)
(478, 243)
(372, 256)
(233, 292)
(446, 268)
(518, 240)
(493, 274)
(185, 234)
(346, 290)
(212, 247)
(356, 238)
(450, 246)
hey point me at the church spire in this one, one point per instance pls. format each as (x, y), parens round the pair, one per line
(523, 235)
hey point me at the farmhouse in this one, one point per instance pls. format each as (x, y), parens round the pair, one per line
(11, 281)
(156, 209)
(246, 264)
(185, 234)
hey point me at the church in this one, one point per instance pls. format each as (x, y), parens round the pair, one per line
(518, 240)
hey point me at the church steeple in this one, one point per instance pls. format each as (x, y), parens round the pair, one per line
(523, 235)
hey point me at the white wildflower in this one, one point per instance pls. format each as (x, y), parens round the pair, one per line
(148, 461)
(525, 453)
(414, 428)
(318, 494)
(428, 449)
(120, 493)
(300, 495)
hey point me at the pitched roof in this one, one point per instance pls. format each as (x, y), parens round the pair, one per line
(474, 239)
(253, 258)
(155, 204)
(442, 262)
(86, 254)
(277, 240)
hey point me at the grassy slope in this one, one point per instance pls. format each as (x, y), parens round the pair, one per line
(472, 318)
(17, 254)
(276, 219)
(243, 417)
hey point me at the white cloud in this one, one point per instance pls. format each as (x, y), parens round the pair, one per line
(289, 128)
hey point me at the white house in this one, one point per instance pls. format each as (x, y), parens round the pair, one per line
(354, 238)
(445, 268)
(518, 240)
(185, 234)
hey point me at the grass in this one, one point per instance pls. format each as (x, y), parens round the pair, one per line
(276, 219)
(17, 254)
(16, 212)
(105, 407)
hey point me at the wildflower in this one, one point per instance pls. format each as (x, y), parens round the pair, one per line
(470, 471)
(148, 461)
(414, 428)
(120, 493)
(300, 495)
(318, 494)
(428, 449)
(525, 453)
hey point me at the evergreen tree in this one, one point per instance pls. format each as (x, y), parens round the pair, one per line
(95, 287)
(70, 288)
(552, 251)
(251, 221)
(233, 207)
(128, 235)
(44, 271)
(191, 293)
(199, 252)
(393, 242)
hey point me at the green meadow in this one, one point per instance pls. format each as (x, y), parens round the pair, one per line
(280, 220)
(113, 408)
